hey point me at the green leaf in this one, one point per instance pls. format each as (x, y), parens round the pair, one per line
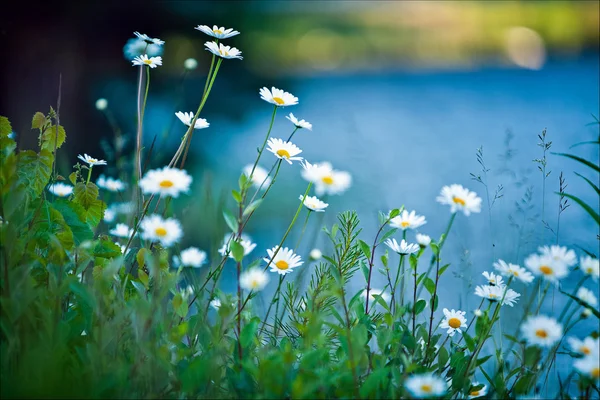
(369, 388)
(5, 128)
(482, 360)
(586, 207)
(388, 234)
(231, 220)
(581, 303)
(34, 171)
(85, 194)
(107, 249)
(75, 217)
(140, 257)
(180, 305)
(420, 306)
(365, 249)
(237, 250)
(592, 184)
(144, 278)
(434, 302)
(252, 206)
(236, 196)
(469, 341)
(435, 249)
(442, 358)
(51, 137)
(429, 285)
(581, 160)
(394, 213)
(73, 178)
(249, 332)
(38, 121)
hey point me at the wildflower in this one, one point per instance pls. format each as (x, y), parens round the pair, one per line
(496, 293)
(187, 117)
(254, 279)
(166, 182)
(453, 321)
(245, 241)
(190, 64)
(109, 214)
(101, 104)
(166, 231)
(546, 266)
(259, 176)
(474, 393)
(60, 189)
(121, 230)
(584, 347)
(215, 303)
(300, 124)
(403, 248)
(223, 51)
(589, 366)
(219, 33)
(513, 270)
(148, 39)
(91, 161)
(136, 47)
(284, 261)
(460, 198)
(423, 240)
(142, 60)
(110, 184)
(478, 312)
(590, 266)
(191, 257)
(541, 331)
(315, 254)
(493, 279)
(278, 97)
(426, 385)
(325, 178)
(378, 292)
(284, 150)
(587, 296)
(313, 203)
(407, 220)
(559, 254)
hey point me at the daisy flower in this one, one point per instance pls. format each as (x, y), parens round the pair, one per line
(191, 257)
(109, 214)
(152, 62)
(584, 347)
(559, 254)
(254, 279)
(493, 279)
(278, 97)
(300, 124)
(110, 184)
(541, 331)
(121, 230)
(325, 178)
(148, 39)
(589, 366)
(313, 203)
(187, 117)
(590, 266)
(136, 47)
(259, 176)
(513, 270)
(219, 33)
(316, 254)
(407, 220)
(223, 51)
(587, 296)
(546, 267)
(60, 189)
(166, 182)
(425, 386)
(453, 321)
(460, 199)
(423, 240)
(284, 150)
(403, 248)
(495, 293)
(284, 261)
(474, 393)
(91, 161)
(166, 231)
(245, 241)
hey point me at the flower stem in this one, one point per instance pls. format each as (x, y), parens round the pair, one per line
(89, 174)
(263, 145)
(303, 229)
(275, 296)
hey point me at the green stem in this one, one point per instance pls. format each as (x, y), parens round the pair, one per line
(89, 174)
(579, 284)
(275, 296)
(290, 138)
(212, 64)
(263, 145)
(303, 229)
(403, 277)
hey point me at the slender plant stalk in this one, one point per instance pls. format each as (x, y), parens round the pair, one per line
(440, 245)
(371, 262)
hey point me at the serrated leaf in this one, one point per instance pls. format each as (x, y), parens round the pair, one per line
(38, 120)
(107, 249)
(34, 171)
(230, 220)
(86, 194)
(52, 137)
(5, 128)
(75, 217)
(252, 206)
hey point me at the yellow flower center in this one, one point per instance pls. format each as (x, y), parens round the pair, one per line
(515, 273)
(426, 388)
(492, 296)
(223, 52)
(585, 350)
(283, 153)
(454, 323)
(282, 265)
(541, 333)
(278, 100)
(596, 373)
(546, 270)
(92, 160)
(218, 31)
(589, 270)
(328, 180)
(474, 393)
(160, 231)
(458, 200)
(405, 224)
(254, 284)
(148, 62)
(166, 184)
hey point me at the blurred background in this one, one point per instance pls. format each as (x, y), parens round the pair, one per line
(401, 95)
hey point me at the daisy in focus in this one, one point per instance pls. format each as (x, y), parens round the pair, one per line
(188, 117)
(223, 51)
(590, 266)
(110, 184)
(518, 272)
(453, 321)
(259, 177)
(166, 231)
(460, 199)
(425, 386)
(278, 97)
(403, 248)
(284, 150)
(496, 293)
(121, 230)
(254, 279)
(493, 279)
(190, 257)
(541, 331)
(166, 181)
(148, 39)
(407, 220)
(300, 124)
(546, 267)
(313, 203)
(91, 161)
(284, 261)
(60, 189)
(217, 32)
(245, 241)
(151, 62)
(584, 347)
(587, 296)
(325, 178)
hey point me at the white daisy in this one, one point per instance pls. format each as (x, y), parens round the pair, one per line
(325, 178)
(453, 321)
(166, 182)
(474, 393)
(109, 214)
(403, 248)
(546, 267)
(384, 295)
(313, 203)
(315, 254)
(259, 176)
(541, 331)
(407, 220)
(284, 150)
(254, 279)
(123, 248)
(191, 257)
(60, 189)
(166, 231)
(110, 184)
(101, 104)
(589, 366)
(187, 117)
(278, 97)
(245, 241)
(513, 270)
(136, 47)
(423, 240)
(148, 39)
(152, 62)
(495, 293)
(426, 385)
(493, 279)
(284, 261)
(121, 230)
(218, 32)
(478, 312)
(590, 266)
(299, 123)
(587, 296)
(585, 347)
(223, 51)
(460, 199)
(91, 161)
(559, 254)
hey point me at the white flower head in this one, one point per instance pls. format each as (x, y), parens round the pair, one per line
(217, 32)
(460, 199)
(223, 51)
(136, 47)
(300, 124)
(109, 214)
(559, 254)
(425, 386)
(423, 240)
(378, 292)
(493, 279)
(284, 261)
(148, 39)
(284, 150)
(245, 241)
(110, 184)
(325, 178)
(191, 257)
(151, 62)
(546, 267)
(585, 347)
(166, 231)
(187, 117)
(166, 181)
(315, 254)
(496, 293)
(254, 279)
(121, 230)
(190, 64)
(475, 393)
(453, 321)
(313, 203)
(407, 220)
(513, 270)
(215, 303)
(590, 266)
(101, 104)
(91, 161)
(60, 189)
(478, 312)
(259, 176)
(278, 97)
(589, 366)
(403, 248)
(541, 331)
(587, 296)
